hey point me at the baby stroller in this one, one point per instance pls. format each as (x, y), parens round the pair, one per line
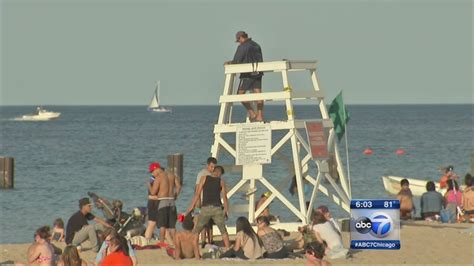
(127, 225)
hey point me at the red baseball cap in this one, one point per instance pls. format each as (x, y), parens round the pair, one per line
(153, 166)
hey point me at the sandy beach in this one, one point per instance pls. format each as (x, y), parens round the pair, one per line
(421, 243)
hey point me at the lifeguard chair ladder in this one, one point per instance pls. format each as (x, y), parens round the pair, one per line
(253, 173)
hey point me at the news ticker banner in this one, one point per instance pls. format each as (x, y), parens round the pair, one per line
(375, 224)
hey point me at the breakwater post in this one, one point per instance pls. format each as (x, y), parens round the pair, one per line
(175, 165)
(6, 172)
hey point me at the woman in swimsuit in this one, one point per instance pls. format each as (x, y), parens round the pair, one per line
(41, 252)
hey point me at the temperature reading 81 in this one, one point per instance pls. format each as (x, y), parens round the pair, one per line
(388, 204)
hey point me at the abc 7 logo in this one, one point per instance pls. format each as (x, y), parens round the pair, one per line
(379, 225)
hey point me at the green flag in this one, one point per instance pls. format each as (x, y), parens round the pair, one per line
(339, 116)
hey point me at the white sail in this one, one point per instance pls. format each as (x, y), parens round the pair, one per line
(155, 103)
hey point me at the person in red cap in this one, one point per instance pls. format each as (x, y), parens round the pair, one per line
(165, 189)
(152, 204)
(249, 51)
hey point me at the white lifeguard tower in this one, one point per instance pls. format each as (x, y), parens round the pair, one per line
(253, 159)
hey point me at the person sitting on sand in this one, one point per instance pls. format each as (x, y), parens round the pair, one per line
(247, 243)
(271, 240)
(327, 214)
(468, 198)
(325, 232)
(70, 257)
(431, 202)
(453, 199)
(406, 200)
(110, 233)
(78, 230)
(41, 252)
(57, 234)
(183, 247)
(314, 253)
(117, 253)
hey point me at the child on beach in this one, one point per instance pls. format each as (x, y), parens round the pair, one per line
(57, 234)
(406, 200)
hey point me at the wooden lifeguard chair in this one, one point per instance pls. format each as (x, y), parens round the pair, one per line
(302, 159)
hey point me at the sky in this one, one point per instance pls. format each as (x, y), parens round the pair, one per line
(104, 52)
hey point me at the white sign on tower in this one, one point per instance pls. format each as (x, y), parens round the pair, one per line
(254, 144)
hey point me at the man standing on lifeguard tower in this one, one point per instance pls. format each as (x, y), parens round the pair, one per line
(249, 51)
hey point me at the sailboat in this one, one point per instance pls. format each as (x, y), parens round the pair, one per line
(155, 102)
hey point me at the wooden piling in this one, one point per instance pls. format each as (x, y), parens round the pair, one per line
(6, 172)
(175, 165)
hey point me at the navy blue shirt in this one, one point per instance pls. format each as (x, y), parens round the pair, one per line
(248, 52)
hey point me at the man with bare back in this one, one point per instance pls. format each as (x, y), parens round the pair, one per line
(166, 188)
(152, 204)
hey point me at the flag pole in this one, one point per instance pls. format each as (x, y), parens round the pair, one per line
(347, 150)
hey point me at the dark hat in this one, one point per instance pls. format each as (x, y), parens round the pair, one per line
(449, 168)
(240, 34)
(83, 202)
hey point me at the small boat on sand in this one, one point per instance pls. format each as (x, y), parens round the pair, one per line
(417, 186)
(41, 115)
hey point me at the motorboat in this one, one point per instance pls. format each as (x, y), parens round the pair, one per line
(41, 115)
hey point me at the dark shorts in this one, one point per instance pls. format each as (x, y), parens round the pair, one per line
(152, 209)
(167, 216)
(471, 212)
(249, 84)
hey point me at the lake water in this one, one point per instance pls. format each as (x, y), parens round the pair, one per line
(107, 149)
